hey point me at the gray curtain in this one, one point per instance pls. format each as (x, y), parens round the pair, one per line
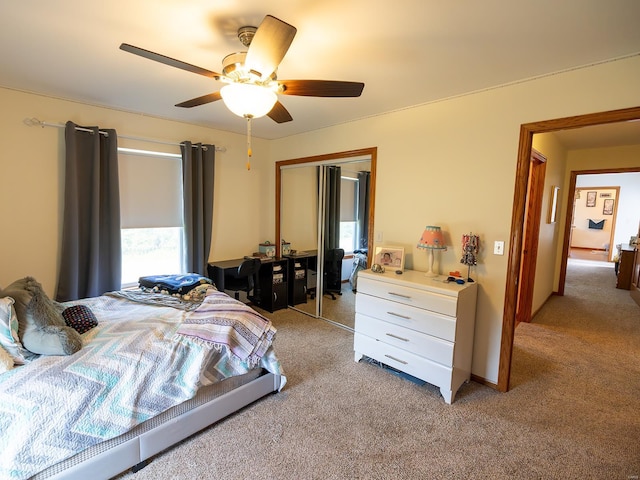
(91, 255)
(364, 181)
(332, 208)
(198, 168)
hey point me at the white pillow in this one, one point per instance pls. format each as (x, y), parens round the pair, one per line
(6, 362)
(9, 339)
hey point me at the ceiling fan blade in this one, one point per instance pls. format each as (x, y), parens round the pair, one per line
(279, 114)
(194, 102)
(168, 61)
(321, 88)
(269, 46)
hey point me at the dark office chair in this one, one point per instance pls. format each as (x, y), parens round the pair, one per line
(244, 279)
(333, 272)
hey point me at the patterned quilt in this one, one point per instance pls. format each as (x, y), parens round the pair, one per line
(132, 367)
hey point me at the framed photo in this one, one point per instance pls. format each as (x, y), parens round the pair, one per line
(591, 199)
(553, 205)
(390, 257)
(608, 206)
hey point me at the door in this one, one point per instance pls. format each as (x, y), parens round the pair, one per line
(302, 210)
(529, 257)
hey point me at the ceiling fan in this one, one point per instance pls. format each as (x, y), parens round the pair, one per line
(251, 82)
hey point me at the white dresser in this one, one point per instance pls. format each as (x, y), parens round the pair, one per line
(418, 325)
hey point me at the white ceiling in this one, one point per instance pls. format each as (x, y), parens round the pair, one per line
(407, 52)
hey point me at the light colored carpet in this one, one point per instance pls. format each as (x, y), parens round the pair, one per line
(573, 410)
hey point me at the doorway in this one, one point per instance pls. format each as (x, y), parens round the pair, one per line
(521, 198)
(537, 170)
(593, 222)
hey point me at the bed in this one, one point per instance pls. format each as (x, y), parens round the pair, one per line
(153, 371)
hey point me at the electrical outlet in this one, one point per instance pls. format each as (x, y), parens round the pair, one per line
(498, 247)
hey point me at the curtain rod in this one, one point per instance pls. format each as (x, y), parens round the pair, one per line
(34, 122)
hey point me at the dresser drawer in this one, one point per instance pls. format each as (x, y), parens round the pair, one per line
(435, 302)
(407, 316)
(427, 346)
(403, 360)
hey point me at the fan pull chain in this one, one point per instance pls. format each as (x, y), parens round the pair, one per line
(249, 151)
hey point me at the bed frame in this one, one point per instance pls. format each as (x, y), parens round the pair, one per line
(134, 448)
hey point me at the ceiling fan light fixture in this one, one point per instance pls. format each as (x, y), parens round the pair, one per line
(248, 100)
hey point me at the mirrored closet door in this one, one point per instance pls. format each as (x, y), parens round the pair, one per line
(324, 220)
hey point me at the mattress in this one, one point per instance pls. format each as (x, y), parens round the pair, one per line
(206, 395)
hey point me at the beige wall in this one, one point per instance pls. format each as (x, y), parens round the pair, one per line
(31, 166)
(452, 163)
(627, 212)
(550, 233)
(584, 237)
(299, 210)
(449, 163)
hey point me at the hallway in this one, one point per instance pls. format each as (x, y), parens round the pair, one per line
(588, 254)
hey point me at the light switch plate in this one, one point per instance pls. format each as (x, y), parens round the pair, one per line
(498, 247)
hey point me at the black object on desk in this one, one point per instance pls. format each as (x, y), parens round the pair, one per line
(271, 287)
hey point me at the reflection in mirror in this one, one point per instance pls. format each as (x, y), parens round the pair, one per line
(302, 200)
(345, 235)
(299, 228)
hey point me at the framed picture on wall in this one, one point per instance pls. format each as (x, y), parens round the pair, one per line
(591, 199)
(391, 257)
(608, 206)
(553, 205)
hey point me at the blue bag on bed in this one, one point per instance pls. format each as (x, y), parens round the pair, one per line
(180, 283)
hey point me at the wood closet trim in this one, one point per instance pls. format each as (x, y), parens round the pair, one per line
(520, 198)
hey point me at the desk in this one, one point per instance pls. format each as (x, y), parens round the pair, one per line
(271, 287)
(302, 275)
(626, 258)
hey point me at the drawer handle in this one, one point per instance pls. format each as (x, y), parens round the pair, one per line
(396, 359)
(399, 295)
(397, 337)
(398, 315)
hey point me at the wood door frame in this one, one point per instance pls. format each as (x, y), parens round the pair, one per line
(571, 195)
(520, 198)
(533, 211)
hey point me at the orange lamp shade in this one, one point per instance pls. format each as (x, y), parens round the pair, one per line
(432, 239)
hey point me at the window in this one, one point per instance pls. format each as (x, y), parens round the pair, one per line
(150, 251)
(151, 214)
(348, 236)
(348, 213)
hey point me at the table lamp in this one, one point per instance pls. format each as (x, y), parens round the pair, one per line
(432, 239)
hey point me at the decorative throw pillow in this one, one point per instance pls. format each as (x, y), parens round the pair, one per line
(6, 361)
(9, 339)
(80, 318)
(596, 225)
(41, 326)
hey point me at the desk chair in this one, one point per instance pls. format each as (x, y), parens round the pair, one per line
(333, 271)
(243, 279)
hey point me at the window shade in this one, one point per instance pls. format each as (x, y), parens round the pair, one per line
(348, 201)
(150, 191)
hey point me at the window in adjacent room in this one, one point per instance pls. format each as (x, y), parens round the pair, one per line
(151, 214)
(348, 213)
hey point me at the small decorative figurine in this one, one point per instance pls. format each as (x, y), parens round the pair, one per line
(470, 245)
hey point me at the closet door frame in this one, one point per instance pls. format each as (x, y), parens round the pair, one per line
(339, 158)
